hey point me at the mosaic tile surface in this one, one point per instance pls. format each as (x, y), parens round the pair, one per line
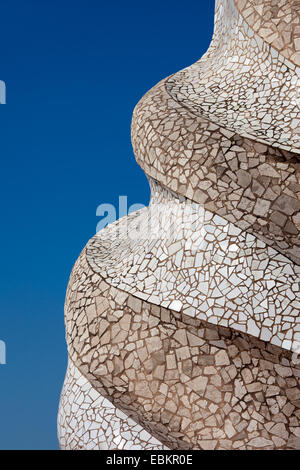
(254, 186)
(189, 384)
(277, 22)
(86, 420)
(199, 264)
(182, 319)
(243, 84)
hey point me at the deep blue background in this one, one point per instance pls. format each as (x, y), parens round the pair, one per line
(74, 70)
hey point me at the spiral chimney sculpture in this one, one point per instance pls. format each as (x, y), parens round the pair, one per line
(183, 319)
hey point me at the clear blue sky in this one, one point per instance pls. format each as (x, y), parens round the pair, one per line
(74, 70)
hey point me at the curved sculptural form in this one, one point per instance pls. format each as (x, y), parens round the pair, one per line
(182, 319)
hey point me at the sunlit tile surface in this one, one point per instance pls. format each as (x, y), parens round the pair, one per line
(182, 319)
